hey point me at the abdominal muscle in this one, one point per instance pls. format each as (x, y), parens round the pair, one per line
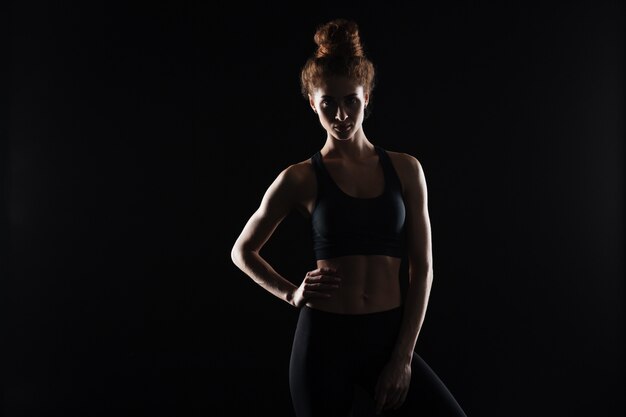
(369, 284)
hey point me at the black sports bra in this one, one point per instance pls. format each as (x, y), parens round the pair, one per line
(345, 225)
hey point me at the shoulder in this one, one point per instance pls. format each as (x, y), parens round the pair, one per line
(408, 167)
(297, 173)
(411, 175)
(296, 178)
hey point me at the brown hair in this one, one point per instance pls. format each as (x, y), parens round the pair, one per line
(339, 52)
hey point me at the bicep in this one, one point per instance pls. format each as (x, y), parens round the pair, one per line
(277, 202)
(419, 241)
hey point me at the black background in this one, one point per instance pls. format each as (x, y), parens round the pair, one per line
(141, 137)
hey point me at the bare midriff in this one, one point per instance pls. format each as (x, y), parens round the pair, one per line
(369, 284)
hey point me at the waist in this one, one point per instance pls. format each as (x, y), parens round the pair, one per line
(370, 283)
(392, 313)
(356, 333)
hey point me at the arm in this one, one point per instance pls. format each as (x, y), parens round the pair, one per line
(279, 199)
(393, 383)
(420, 259)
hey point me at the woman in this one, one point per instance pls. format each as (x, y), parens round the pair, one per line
(368, 208)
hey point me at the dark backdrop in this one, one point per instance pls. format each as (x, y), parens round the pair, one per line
(141, 138)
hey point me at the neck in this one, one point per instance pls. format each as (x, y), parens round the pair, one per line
(355, 147)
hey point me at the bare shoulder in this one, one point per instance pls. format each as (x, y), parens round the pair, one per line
(298, 171)
(411, 176)
(409, 169)
(298, 174)
(298, 179)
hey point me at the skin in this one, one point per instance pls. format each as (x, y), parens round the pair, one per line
(354, 284)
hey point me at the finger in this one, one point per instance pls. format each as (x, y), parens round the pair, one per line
(320, 286)
(324, 283)
(389, 398)
(322, 271)
(394, 400)
(316, 294)
(402, 398)
(325, 275)
(329, 279)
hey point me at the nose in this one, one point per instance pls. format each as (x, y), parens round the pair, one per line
(341, 114)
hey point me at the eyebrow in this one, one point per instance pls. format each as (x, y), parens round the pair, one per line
(349, 95)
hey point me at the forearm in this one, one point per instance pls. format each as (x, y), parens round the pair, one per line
(253, 265)
(415, 305)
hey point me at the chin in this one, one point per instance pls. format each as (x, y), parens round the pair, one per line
(344, 139)
(343, 136)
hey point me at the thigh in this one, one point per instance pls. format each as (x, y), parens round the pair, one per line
(319, 379)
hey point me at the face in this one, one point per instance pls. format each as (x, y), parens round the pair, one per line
(340, 104)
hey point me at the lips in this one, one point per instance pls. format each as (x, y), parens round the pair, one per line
(342, 128)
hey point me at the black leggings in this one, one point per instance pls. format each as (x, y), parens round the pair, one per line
(333, 354)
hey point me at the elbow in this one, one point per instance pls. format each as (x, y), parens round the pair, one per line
(239, 254)
(236, 255)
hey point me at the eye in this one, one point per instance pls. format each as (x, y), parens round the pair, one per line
(353, 100)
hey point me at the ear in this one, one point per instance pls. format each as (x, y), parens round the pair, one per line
(367, 98)
(312, 103)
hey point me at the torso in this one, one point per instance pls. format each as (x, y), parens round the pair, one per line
(370, 283)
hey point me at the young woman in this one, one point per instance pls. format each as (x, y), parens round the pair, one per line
(368, 208)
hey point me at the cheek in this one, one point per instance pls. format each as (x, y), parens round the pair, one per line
(355, 112)
(358, 108)
(326, 114)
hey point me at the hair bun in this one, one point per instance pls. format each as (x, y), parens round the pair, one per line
(339, 37)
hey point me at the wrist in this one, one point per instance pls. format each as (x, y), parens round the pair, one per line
(402, 357)
(290, 296)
